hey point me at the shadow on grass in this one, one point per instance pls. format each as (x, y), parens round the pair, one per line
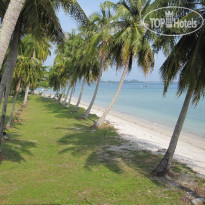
(100, 146)
(96, 143)
(62, 111)
(92, 143)
(14, 149)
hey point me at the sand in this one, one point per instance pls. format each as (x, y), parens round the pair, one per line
(145, 135)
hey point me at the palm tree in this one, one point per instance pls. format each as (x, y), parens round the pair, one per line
(66, 97)
(187, 61)
(29, 67)
(80, 96)
(97, 22)
(71, 58)
(26, 94)
(27, 72)
(72, 92)
(8, 25)
(15, 7)
(86, 114)
(87, 71)
(54, 78)
(44, 24)
(34, 49)
(128, 42)
(63, 93)
(10, 64)
(40, 19)
(18, 86)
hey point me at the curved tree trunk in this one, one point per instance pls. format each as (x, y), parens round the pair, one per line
(8, 25)
(166, 162)
(63, 93)
(4, 109)
(14, 103)
(11, 61)
(85, 115)
(8, 76)
(66, 97)
(26, 95)
(80, 96)
(102, 118)
(72, 91)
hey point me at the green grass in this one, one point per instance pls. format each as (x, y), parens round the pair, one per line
(52, 157)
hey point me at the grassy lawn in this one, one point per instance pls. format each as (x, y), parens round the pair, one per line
(52, 157)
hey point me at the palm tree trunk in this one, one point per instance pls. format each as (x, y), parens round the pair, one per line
(63, 93)
(64, 102)
(72, 91)
(14, 103)
(102, 118)
(85, 115)
(26, 95)
(166, 162)
(11, 61)
(8, 76)
(8, 25)
(80, 96)
(4, 109)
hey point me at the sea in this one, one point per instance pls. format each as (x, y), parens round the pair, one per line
(146, 101)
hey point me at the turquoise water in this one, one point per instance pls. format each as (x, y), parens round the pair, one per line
(149, 103)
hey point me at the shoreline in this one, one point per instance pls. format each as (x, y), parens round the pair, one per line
(145, 135)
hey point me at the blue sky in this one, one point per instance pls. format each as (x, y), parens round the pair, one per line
(91, 6)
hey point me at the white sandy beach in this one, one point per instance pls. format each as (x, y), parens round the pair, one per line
(145, 135)
(149, 136)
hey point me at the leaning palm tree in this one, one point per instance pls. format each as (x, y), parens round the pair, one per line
(16, 6)
(128, 42)
(8, 25)
(95, 45)
(27, 72)
(40, 19)
(44, 23)
(66, 96)
(55, 81)
(71, 95)
(186, 60)
(34, 49)
(87, 71)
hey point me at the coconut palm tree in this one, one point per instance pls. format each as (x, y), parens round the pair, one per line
(8, 25)
(29, 68)
(128, 42)
(44, 24)
(97, 22)
(16, 6)
(54, 78)
(40, 19)
(187, 61)
(87, 71)
(80, 96)
(27, 72)
(71, 94)
(70, 57)
(18, 86)
(66, 97)
(10, 63)
(34, 49)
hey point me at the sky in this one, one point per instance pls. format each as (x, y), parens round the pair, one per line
(90, 7)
